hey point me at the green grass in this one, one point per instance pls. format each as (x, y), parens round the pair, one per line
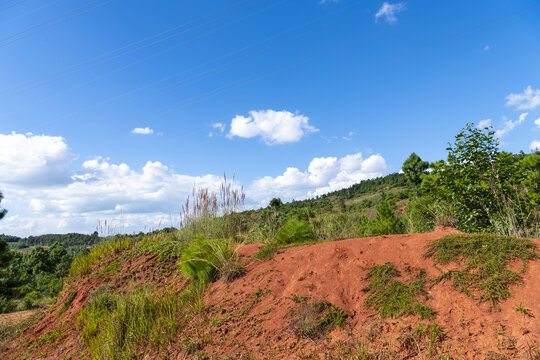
(163, 250)
(66, 304)
(486, 275)
(81, 265)
(9, 332)
(119, 326)
(314, 319)
(393, 298)
(520, 308)
(209, 260)
(266, 252)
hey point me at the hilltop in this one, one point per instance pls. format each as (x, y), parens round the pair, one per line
(316, 301)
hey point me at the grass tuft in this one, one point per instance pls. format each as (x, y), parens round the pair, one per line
(313, 319)
(486, 257)
(393, 298)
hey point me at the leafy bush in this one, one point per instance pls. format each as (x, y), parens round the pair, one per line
(209, 260)
(295, 231)
(386, 221)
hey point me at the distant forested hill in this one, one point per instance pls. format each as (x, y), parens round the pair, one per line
(67, 240)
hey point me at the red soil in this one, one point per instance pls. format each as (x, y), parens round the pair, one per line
(246, 323)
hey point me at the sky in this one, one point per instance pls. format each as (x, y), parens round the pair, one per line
(113, 110)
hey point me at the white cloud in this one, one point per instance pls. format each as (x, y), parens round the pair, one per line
(136, 199)
(142, 131)
(537, 122)
(509, 125)
(484, 123)
(220, 127)
(349, 136)
(274, 127)
(34, 159)
(535, 145)
(327, 1)
(528, 99)
(389, 11)
(322, 175)
(486, 48)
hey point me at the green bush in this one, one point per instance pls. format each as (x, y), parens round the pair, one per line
(209, 260)
(7, 306)
(386, 221)
(295, 231)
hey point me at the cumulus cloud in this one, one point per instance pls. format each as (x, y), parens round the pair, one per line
(34, 159)
(509, 125)
(388, 12)
(535, 145)
(274, 127)
(323, 175)
(537, 122)
(528, 99)
(135, 199)
(484, 123)
(142, 131)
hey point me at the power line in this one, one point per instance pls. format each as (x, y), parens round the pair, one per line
(102, 58)
(12, 5)
(32, 11)
(55, 21)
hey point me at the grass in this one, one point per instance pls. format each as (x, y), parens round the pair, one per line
(392, 298)
(81, 265)
(523, 310)
(209, 260)
(486, 275)
(119, 326)
(66, 304)
(164, 250)
(9, 332)
(423, 336)
(315, 318)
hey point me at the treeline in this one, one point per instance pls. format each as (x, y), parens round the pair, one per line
(67, 240)
(32, 279)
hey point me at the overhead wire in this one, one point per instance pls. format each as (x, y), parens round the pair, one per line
(97, 60)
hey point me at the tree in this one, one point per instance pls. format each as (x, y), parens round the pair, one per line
(413, 168)
(275, 203)
(3, 212)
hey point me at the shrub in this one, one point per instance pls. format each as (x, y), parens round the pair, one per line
(295, 231)
(386, 222)
(209, 260)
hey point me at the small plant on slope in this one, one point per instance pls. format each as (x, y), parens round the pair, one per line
(393, 298)
(295, 231)
(486, 257)
(314, 318)
(209, 260)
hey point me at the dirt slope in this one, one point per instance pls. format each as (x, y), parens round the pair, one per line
(253, 314)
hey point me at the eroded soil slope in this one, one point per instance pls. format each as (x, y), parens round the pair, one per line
(254, 315)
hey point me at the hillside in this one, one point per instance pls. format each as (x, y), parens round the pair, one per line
(315, 301)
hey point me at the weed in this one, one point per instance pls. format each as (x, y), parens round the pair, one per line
(118, 325)
(393, 298)
(208, 260)
(266, 252)
(315, 318)
(486, 257)
(163, 250)
(523, 310)
(104, 250)
(299, 299)
(66, 304)
(295, 231)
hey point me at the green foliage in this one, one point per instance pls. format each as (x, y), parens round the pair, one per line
(393, 298)
(295, 231)
(164, 249)
(520, 308)
(414, 168)
(486, 257)
(386, 221)
(487, 189)
(66, 240)
(118, 326)
(313, 319)
(209, 260)
(3, 212)
(102, 251)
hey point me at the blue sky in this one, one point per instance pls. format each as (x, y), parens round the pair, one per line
(297, 97)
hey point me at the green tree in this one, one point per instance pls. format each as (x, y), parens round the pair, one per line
(3, 212)
(276, 203)
(414, 168)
